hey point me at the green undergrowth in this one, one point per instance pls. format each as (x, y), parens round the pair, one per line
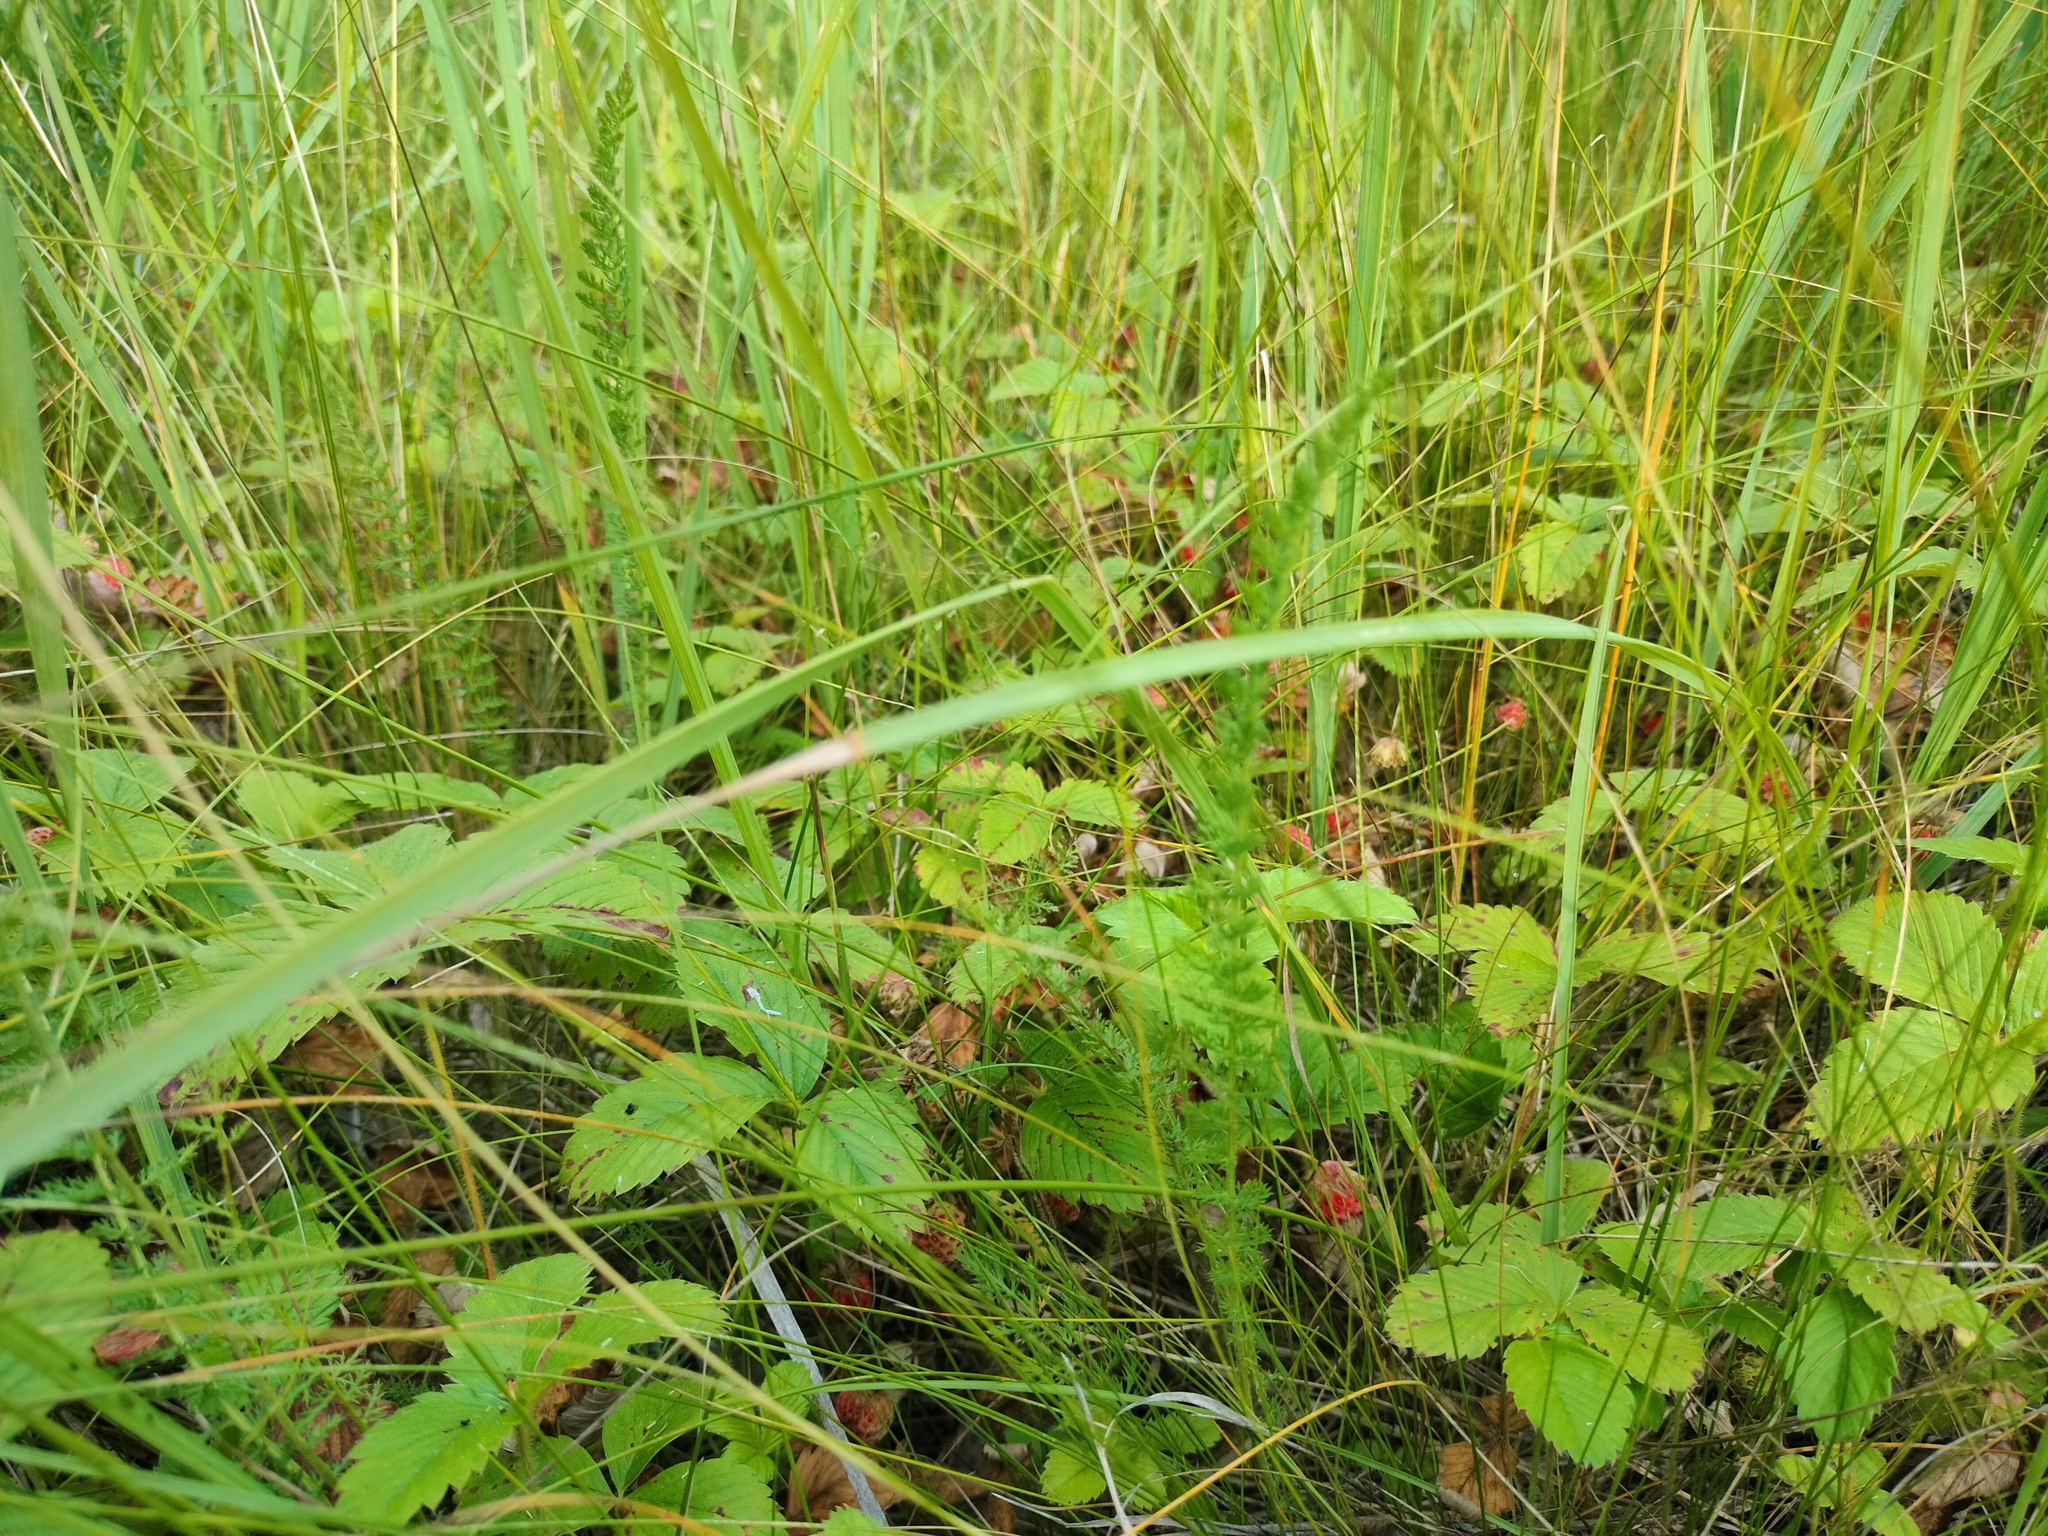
(1100, 766)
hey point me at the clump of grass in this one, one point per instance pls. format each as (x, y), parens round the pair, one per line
(1001, 766)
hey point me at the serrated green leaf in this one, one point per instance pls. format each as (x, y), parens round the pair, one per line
(1696, 962)
(2000, 853)
(1552, 557)
(1009, 831)
(1929, 946)
(950, 877)
(1718, 1236)
(1093, 803)
(57, 1281)
(723, 1494)
(680, 1107)
(646, 1419)
(1586, 1183)
(1087, 1130)
(1463, 1310)
(508, 1330)
(1661, 1354)
(610, 1325)
(289, 806)
(1303, 895)
(1576, 1397)
(411, 1459)
(1837, 1361)
(745, 987)
(1910, 1072)
(1833, 1480)
(560, 1469)
(857, 1149)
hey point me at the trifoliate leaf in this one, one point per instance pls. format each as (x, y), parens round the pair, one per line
(680, 1107)
(1661, 1354)
(1576, 1397)
(411, 1459)
(857, 1149)
(1087, 1130)
(1463, 1310)
(1837, 1360)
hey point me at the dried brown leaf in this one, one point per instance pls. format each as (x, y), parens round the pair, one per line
(1476, 1484)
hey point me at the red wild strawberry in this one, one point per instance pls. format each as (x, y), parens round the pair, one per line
(1299, 837)
(1511, 714)
(865, 1415)
(1649, 723)
(1335, 1193)
(851, 1286)
(41, 835)
(1062, 1208)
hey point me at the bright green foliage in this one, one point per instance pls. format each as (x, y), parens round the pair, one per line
(1464, 1309)
(1714, 1237)
(723, 1494)
(743, 986)
(1088, 1130)
(1661, 1354)
(55, 1282)
(413, 1458)
(1928, 947)
(1908, 1073)
(1838, 1363)
(1834, 1480)
(681, 1107)
(1073, 539)
(1575, 1397)
(857, 1149)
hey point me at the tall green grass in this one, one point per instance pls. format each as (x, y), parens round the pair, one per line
(497, 493)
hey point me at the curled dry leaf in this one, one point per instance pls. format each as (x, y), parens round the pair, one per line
(1476, 1483)
(948, 1034)
(413, 1181)
(1868, 660)
(818, 1484)
(1961, 1476)
(340, 1056)
(1496, 1416)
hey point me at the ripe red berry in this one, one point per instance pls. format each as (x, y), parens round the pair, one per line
(1335, 1193)
(865, 1415)
(1299, 836)
(1511, 714)
(850, 1284)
